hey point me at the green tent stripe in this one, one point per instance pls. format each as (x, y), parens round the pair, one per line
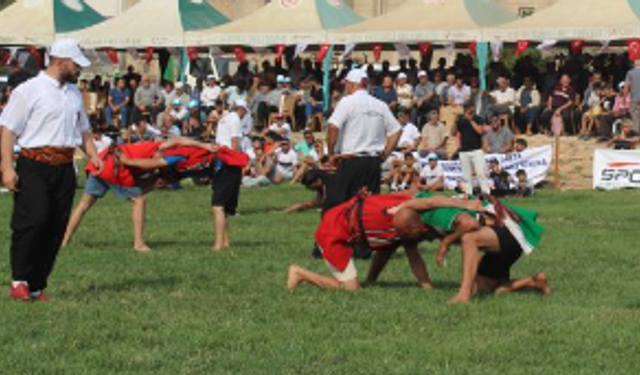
(487, 13)
(335, 14)
(198, 16)
(67, 19)
(635, 6)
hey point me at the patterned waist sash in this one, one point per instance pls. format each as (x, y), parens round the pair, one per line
(49, 155)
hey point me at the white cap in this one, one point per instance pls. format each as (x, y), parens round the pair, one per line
(241, 103)
(210, 77)
(422, 73)
(179, 85)
(281, 79)
(402, 76)
(68, 48)
(356, 76)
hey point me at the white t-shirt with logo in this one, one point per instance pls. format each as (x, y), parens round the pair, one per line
(286, 162)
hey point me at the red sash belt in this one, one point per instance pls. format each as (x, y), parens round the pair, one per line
(49, 155)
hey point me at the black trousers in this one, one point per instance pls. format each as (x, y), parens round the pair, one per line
(41, 211)
(352, 175)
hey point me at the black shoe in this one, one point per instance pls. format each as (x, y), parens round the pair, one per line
(315, 253)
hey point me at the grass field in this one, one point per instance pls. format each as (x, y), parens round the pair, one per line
(185, 310)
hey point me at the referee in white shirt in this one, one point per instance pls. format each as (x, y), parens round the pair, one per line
(362, 133)
(227, 179)
(46, 117)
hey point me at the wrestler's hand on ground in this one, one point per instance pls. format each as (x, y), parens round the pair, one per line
(97, 163)
(10, 179)
(441, 255)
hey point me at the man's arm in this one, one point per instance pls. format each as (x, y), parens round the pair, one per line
(186, 142)
(89, 148)
(463, 224)
(9, 176)
(392, 143)
(332, 139)
(425, 204)
(418, 267)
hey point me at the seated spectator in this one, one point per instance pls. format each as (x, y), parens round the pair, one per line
(560, 105)
(501, 180)
(621, 109)
(405, 173)
(285, 160)
(628, 139)
(594, 109)
(434, 137)
(425, 98)
(283, 129)
(210, 94)
(410, 137)
(499, 139)
(256, 174)
(520, 145)
(147, 100)
(142, 131)
(387, 93)
(306, 146)
(168, 94)
(432, 177)
(457, 96)
(503, 99)
(235, 92)
(168, 127)
(523, 187)
(313, 99)
(182, 95)
(405, 93)
(528, 106)
(118, 104)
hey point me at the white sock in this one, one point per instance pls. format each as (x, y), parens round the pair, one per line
(15, 284)
(36, 293)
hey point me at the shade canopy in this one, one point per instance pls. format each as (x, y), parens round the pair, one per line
(281, 22)
(575, 19)
(152, 23)
(38, 22)
(428, 20)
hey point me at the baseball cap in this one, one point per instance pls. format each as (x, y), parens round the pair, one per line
(281, 79)
(422, 73)
(432, 156)
(193, 104)
(177, 102)
(241, 103)
(402, 76)
(68, 48)
(356, 76)
(210, 77)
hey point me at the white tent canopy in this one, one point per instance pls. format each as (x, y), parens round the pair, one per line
(37, 22)
(428, 20)
(280, 22)
(152, 23)
(575, 19)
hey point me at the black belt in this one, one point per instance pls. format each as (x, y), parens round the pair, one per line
(363, 235)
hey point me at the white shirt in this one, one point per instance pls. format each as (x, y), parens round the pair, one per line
(229, 127)
(460, 95)
(42, 113)
(431, 176)
(405, 95)
(508, 95)
(286, 162)
(209, 95)
(364, 123)
(275, 127)
(410, 134)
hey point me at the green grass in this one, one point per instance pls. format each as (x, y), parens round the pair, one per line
(186, 310)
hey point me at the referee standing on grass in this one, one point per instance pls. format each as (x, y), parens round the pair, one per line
(46, 117)
(362, 133)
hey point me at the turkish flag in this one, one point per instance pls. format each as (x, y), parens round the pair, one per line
(324, 49)
(576, 46)
(522, 46)
(633, 49)
(112, 54)
(377, 52)
(192, 53)
(424, 48)
(240, 55)
(473, 48)
(279, 52)
(148, 55)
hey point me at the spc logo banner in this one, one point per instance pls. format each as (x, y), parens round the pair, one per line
(616, 169)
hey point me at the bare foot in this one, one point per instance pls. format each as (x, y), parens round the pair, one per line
(217, 249)
(426, 286)
(542, 283)
(294, 278)
(142, 249)
(458, 299)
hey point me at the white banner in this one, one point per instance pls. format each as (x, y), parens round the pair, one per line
(614, 169)
(535, 161)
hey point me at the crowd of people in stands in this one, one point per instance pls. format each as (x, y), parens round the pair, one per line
(582, 95)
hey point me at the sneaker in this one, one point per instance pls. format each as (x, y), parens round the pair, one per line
(20, 292)
(39, 296)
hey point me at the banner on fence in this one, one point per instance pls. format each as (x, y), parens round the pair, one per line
(613, 169)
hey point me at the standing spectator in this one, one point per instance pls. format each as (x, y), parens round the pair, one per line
(227, 179)
(560, 104)
(434, 137)
(387, 93)
(362, 133)
(405, 93)
(472, 160)
(528, 106)
(45, 115)
(148, 100)
(632, 86)
(425, 98)
(499, 139)
(118, 103)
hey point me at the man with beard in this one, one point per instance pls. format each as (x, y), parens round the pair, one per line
(46, 117)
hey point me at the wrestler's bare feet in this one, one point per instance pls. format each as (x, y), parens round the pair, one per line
(294, 277)
(142, 249)
(426, 286)
(542, 283)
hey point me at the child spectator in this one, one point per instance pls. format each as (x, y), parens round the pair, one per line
(432, 177)
(523, 187)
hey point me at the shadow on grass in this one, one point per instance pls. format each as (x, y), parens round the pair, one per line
(414, 285)
(131, 285)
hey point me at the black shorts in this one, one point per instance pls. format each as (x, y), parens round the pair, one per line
(352, 175)
(226, 188)
(498, 265)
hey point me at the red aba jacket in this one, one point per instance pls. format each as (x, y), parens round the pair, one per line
(340, 230)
